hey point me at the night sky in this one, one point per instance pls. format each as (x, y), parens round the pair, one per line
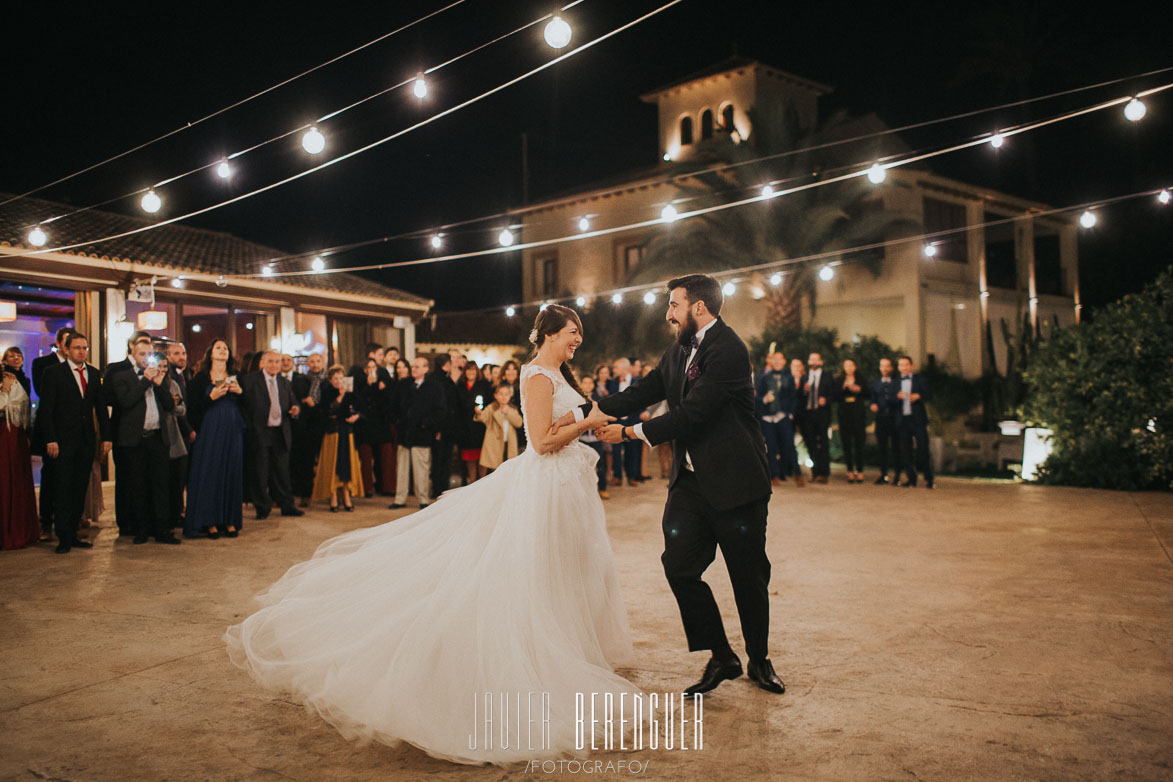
(86, 81)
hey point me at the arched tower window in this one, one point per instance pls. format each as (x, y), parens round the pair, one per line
(685, 131)
(727, 118)
(706, 124)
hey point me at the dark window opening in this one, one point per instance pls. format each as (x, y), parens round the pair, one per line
(1001, 263)
(946, 216)
(706, 124)
(685, 131)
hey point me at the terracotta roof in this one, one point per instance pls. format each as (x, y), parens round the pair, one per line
(172, 247)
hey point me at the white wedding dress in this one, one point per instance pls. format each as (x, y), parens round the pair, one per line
(507, 586)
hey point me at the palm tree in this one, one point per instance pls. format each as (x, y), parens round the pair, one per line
(818, 220)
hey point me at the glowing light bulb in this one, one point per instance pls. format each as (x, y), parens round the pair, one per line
(826, 274)
(930, 250)
(1162, 196)
(420, 87)
(151, 202)
(557, 33)
(510, 312)
(668, 213)
(584, 224)
(997, 140)
(318, 264)
(248, 326)
(196, 328)
(267, 270)
(767, 191)
(1088, 219)
(729, 289)
(649, 298)
(667, 158)
(506, 237)
(313, 141)
(877, 174)
(1135, 110)
(776, 279)
(37, 237)
(177, 282)
(223, 170)
(437, 242)
(617, 298)
(221, 282)
(580, 301)
(543, 307)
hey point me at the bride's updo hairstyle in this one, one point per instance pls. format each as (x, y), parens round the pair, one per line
(549, 322)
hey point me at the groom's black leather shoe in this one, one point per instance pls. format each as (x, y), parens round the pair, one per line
(715, 673)
(762, 674)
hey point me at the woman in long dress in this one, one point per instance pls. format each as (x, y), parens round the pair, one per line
(338, 475)
(215, 488)
(18, 503)
(506, 586)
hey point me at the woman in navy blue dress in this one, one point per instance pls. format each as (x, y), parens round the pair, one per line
(215, 488)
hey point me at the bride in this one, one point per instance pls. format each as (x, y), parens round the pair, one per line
(409, 630)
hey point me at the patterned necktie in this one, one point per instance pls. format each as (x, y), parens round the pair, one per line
(692, 345)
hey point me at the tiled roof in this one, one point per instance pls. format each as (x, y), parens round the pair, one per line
(172, 247)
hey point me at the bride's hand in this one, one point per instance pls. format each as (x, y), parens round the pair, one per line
(597, 417)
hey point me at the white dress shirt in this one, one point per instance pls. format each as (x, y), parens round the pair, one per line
(812, 402)
(77, 376)
(151, 420)
(906, 387)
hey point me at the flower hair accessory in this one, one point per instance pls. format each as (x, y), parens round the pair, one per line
(533, 336)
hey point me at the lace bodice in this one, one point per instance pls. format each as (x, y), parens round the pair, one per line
(565, 397)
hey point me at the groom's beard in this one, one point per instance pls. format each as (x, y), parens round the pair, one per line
(686, 329)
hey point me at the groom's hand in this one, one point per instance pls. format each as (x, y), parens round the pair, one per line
(610, 434)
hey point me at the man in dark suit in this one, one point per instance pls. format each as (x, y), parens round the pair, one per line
(48, 466)
(628, 456)
(177, 370)
(143, 398)
(886, 406)
(777, 397)
(124, 504)
(818, 390)
(71, 403)
(914, 423)
(720, 486)
(313, 418)
(269, 400)
(421, 413)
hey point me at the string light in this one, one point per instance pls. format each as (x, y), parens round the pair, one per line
(580, 301)
(826, 274)
(930, 250)
(249, 326)
(1088, 219)
(1135, 110)
(1163, 197)
(877, 174)
(420, 88)
(617, 298)
(997, 140)
(313, 141)
(557, 33)
(776, 280)
(667, 158)
(510, 312)
(221, 282)
(767, 191)
(267, 270)
(729, 289)
(668, 213)
(318, 264)
(196, 328)
(649, 298)
(224, 170)
(151, 202)
(506, 238)
(437, 242)
(38, 237)
(584, 224)
(177, 282)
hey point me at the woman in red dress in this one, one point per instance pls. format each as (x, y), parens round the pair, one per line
(18, 507)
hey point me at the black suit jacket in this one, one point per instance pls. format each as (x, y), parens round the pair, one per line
(421, 412)
(825, 389)
(256, 403)
(38, 370)
(130, 400)
(711, 417)
(920, 415)
(66, 416)
(884, 398)
(613, 388)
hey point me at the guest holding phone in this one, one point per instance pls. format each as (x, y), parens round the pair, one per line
(474, 393)
(215, 488)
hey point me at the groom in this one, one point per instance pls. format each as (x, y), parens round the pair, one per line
(720, 484)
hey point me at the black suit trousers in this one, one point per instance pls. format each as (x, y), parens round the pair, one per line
(693, 529)
(71, 479)
(271, 471)
(48, 492)
(889, 442)
(814, 434)
(176, 484)
(147, 481)
(124, 502)
(915, 458)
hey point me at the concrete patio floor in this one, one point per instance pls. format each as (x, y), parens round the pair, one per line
(981, 631)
